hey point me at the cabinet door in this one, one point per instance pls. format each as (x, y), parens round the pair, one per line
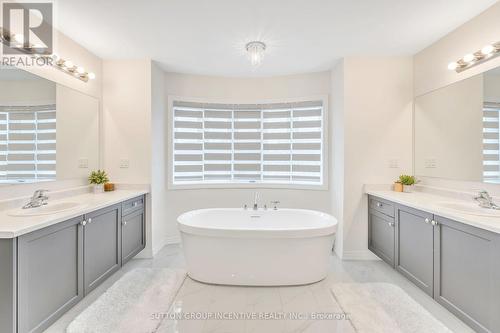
(101, 245)
(414, 247)
(467, 273)
(8, 292)
(133, 235)
(381, 233)
(50, 274)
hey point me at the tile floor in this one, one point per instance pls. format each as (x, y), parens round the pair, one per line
(196, 298)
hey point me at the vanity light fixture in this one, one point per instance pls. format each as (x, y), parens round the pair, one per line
(256, 51)
(32, 50)
(70, 68)
(488, 52)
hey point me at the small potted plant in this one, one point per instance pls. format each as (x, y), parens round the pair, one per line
(408, 183)
(398, 187)
(98, 179)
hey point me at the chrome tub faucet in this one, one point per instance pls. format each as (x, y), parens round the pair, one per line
(255, 199)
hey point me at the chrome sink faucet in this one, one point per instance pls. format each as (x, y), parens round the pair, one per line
(38, 199)
(485, 200)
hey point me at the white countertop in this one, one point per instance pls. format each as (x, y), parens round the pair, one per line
(428, 203)
(14, 226)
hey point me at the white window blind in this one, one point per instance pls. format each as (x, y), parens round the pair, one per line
(27, 143)
(280, 143)
(491, 142)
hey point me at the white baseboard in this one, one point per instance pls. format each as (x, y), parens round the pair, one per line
(359, 255)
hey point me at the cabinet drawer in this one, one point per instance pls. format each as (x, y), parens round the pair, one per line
(382, 206)
(132, 205)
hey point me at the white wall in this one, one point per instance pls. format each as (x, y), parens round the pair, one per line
(248, 89)
(127, 120)
(430, 64)
(337, 157)
(159, 159)
(377, 128)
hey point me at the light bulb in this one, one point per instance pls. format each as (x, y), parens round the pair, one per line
(469, 57)
(488, 49)
(452, 66)
(91, 76)
(80, 70)
(69, 64)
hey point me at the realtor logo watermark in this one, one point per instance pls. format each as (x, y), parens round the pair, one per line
(26, 31)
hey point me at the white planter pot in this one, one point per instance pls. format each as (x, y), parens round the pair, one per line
(408, 188)
(98, 188)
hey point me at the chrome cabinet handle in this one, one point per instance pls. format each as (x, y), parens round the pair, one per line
(434, 223)
(134, 204)
(379, 204)
(427, 220)
(391, 224)
(124, 223)
(83, 223)
(89, 220)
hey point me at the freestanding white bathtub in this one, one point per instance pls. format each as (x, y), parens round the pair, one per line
(257, 248)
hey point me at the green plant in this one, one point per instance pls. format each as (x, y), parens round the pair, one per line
(98, 177)
(407, 180)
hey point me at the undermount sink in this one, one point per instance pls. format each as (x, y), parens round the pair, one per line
(51, 208)
(469, 208)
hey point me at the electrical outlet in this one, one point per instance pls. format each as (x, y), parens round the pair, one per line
(430, 163)
(394, 163)
(124, 163)
(83, 163)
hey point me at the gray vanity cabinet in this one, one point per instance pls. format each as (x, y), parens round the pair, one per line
(414, 247)
(455, 263)
(133, 233)
(46, 272)
(381, 229)
(50, 274)
(467, 273)
(102, 245)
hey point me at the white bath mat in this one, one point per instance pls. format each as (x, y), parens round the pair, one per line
(384, 307)
(131, 304)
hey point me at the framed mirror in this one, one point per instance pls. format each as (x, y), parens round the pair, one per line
(457, 130)
(47, 131)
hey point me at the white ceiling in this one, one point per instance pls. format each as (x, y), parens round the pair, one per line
(208, 36)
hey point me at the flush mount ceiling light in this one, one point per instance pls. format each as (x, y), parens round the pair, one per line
(256, 51)
(488, 52)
